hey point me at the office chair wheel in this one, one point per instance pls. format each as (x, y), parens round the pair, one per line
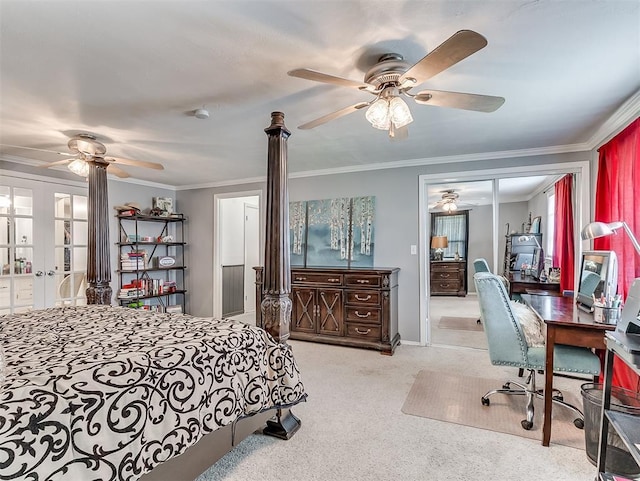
(527, 425)
(579, 423)
(485, 401)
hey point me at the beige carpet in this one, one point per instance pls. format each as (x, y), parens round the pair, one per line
(456, 399)
(460, 323)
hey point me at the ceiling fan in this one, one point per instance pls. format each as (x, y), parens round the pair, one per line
(86, 147)
(449, 201)
(393, 77)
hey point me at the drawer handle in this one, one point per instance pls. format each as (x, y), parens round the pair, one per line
(362, 281)
(362, 298)
(444, 286)
(363, 332)
(301, 278)
(333, 280)
(444, 274)
(363, 316)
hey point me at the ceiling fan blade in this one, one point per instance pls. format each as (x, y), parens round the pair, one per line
(333, 115)
(459, 100)
(57, 162)
(308, 74)
(135, 163)
(117, 171)
(456, 48)
(33, 148)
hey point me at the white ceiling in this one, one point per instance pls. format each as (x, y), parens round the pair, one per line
(133, 71)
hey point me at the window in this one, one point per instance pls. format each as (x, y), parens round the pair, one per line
(455, 228)
(551, 222)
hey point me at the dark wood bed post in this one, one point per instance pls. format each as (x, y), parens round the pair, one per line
(276, 303)
(98, 255)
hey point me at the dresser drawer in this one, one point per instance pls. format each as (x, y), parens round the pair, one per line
(363, 280)
(450, 275)
(364, 331)
(370, 298)
(446, 267)
(452, 286)
(316, 278)
(362, 314)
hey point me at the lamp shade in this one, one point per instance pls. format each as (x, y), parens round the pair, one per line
(599, 229)
(79, 167)
(439, 242)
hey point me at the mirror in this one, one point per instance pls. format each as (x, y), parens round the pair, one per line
(598, 277)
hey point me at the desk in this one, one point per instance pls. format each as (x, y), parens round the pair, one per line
(520, 284)
(566, 324)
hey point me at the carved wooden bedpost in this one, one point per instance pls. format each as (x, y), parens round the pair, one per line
(98, 254)
(276, 303)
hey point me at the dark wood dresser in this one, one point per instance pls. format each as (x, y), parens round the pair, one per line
(449, 278)
(349, 307)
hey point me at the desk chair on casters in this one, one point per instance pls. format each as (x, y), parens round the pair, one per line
(508, 347)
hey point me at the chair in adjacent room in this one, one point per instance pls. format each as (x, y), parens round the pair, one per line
(514, 337)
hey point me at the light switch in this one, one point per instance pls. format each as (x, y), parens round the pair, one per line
(414, 250)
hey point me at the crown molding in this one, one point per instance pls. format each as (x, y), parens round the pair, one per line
(627, 113)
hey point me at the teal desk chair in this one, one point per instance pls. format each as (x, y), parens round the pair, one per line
(508, 347)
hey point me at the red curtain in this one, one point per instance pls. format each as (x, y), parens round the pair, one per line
(618, 199)
(563, 244)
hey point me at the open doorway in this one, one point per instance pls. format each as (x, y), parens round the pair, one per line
(502, 209)
(236, 252)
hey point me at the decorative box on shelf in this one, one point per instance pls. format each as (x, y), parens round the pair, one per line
(164, 262)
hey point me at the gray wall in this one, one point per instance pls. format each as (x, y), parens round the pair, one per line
(480, 239)
(396, 224)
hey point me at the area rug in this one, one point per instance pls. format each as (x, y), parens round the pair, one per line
(456, 399)
(460, 323)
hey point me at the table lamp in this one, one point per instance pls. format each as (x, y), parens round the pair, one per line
(439, 243)
(594, 230)
(527, 238)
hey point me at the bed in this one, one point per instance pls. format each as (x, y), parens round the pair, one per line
(110, 393)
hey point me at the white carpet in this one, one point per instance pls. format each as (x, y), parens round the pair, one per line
(353, 427)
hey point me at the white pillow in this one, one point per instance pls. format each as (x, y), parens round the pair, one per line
(530, 324)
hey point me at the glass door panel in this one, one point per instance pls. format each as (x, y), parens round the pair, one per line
(43, 264)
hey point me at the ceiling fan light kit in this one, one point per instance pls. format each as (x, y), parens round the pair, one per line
(449, 206)
(391, 77)
(79, 167)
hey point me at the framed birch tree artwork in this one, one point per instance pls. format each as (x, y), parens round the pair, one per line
(332, 232)
(362, 216)
(298, 232)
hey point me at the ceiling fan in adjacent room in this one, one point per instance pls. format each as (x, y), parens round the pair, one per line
(84, 147)
(392, 77)
(449, 201)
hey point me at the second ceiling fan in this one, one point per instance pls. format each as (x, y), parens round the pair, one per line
(392, 77)
(86, 147)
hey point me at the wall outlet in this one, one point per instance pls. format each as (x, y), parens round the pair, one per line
(414, 250)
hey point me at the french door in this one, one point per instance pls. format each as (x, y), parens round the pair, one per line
(43, 244)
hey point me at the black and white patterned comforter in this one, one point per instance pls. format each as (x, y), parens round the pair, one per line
(101, 392)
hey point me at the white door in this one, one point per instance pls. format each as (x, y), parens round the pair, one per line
(251, 255)
(43, 244)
